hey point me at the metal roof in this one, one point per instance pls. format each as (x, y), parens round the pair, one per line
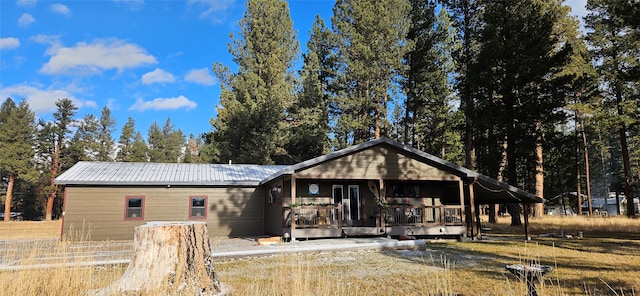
(146, 173)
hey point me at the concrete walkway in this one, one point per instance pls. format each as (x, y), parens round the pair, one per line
(229, 249)
(319, 245)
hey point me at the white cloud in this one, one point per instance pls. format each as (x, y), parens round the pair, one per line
(61, 9)
(200, 76)
(214, 9)
(92, 58)
(26, 3)
(157, 76)
(25, 20)
(164, 104)
(9, 43)
(42, 100)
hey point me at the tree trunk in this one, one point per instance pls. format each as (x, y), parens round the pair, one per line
(173, 258)
(587, 171)
(55, 164)
(7, 203)
(538, 209)
(494, 208)
(578, 178)
(512, 174)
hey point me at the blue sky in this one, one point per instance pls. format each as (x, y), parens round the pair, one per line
(148, 60)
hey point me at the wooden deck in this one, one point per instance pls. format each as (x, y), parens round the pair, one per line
(325, 221)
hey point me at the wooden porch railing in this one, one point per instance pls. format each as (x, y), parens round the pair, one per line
(326, 216)
(314, 216)
(394, 215)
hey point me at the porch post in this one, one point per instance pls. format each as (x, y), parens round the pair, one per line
(383, 198)
(525, 207)
(462, 204)
(472, 208)
(293, 209)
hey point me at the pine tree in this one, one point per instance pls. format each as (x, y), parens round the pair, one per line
(175, 142)
(614, 40)
(105, 142)
(156, 143)
(53, 149)
(125, 143)
(519, 53)
(468, 21)
(251, 115)
(371, 39)
(578, 85)
(16, 146)
(431, 123)
(139, 149)
(85, 140)
(308, 116)
(166, 144)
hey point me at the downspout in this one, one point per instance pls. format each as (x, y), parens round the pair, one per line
(293, 210)
(64, 212)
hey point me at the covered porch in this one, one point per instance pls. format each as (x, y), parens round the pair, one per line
(379, 188)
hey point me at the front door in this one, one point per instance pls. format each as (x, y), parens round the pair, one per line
(350, 203)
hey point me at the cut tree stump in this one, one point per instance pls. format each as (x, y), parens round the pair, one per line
(169, 258)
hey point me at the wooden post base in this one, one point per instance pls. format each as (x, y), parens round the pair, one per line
(170, 258)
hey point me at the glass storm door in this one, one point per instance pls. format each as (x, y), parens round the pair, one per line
(338, 194)
(353, 203)
(350, 203)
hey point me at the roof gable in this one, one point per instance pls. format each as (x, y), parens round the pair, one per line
(377, 162)
(488, 190)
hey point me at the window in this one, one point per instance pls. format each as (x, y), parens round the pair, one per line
(405, 190)
(198, 207)
(134, 208)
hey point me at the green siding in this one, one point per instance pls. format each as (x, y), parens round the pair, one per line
(97, 213)
(375, 163)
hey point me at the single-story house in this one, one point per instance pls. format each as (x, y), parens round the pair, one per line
(380, 187)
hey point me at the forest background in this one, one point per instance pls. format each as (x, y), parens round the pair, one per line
(511, 89)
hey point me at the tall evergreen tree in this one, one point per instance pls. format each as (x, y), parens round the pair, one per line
(371, 44)
(251, 115)
(104, 139)
(53, 139)
(519, 53)
(16, 146)
(578, 86)
(132, 147)
(166, 144)
(614, 40)
(309, 115)
(431, 122)
(139, 149)
(468, 22)
(85, 139)
(125, 142)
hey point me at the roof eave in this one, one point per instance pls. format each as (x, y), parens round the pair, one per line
(167, 184)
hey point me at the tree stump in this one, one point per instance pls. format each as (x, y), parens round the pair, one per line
(170, 258)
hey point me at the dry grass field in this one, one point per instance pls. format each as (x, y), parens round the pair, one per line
(605, 262)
